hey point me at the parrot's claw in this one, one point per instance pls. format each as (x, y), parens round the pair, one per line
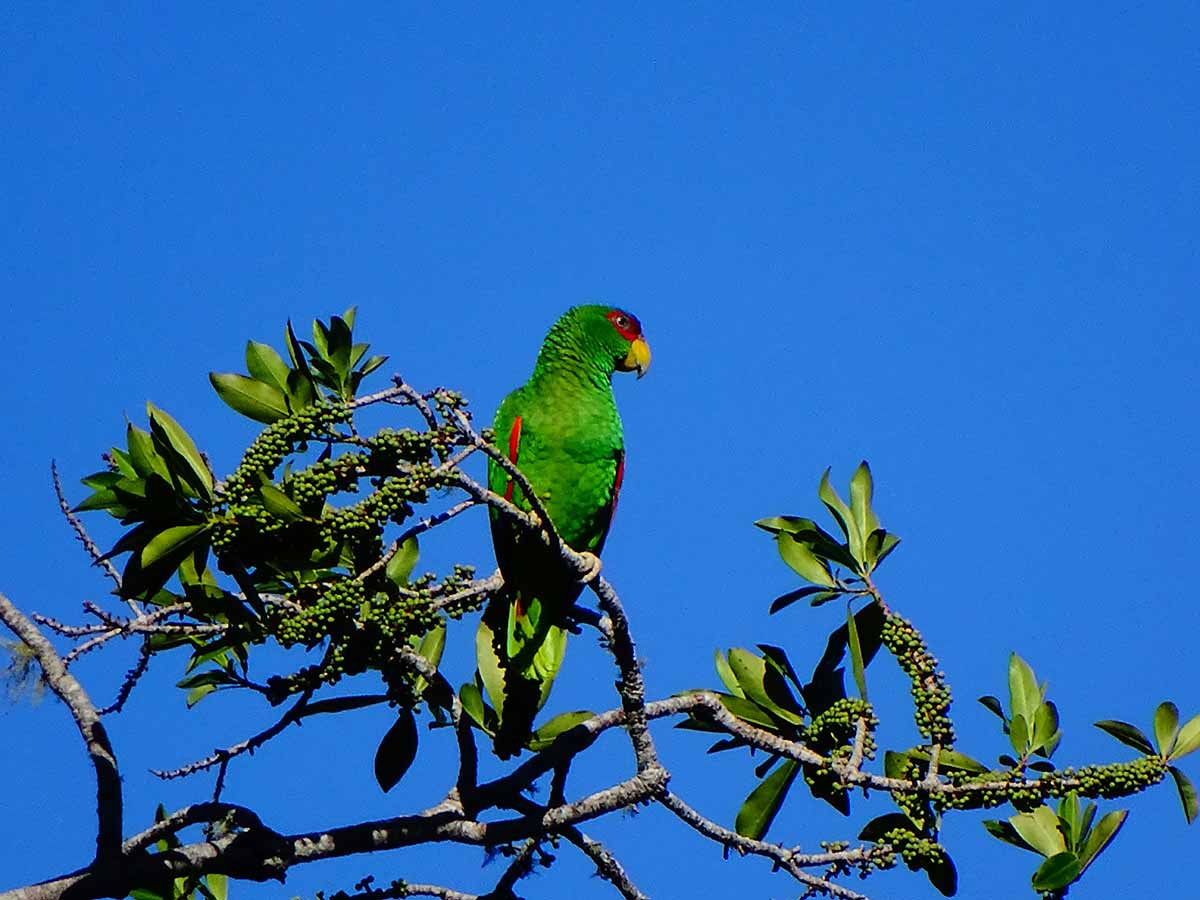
(592, 561)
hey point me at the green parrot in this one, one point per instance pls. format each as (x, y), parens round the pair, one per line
(562, 429)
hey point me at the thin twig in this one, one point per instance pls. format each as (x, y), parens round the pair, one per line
(98, 558)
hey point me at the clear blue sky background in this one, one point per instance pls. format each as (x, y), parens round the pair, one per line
(959, 240)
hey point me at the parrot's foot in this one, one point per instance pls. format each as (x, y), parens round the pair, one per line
(592, 561)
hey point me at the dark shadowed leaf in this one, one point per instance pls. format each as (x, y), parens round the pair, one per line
(874, 830)
(791, 597)
(1187, 794)
(994, 704)
(942, 874)
(869, 622)
(1057, 872)
(761, 807)
(253, 399)
(1127, 734)
(777, 657)
(397, 750)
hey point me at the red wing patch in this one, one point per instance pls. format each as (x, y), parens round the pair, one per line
(514, 444)
(616, 494)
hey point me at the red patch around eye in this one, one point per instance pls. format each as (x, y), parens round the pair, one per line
(514, 443)
(627, 324)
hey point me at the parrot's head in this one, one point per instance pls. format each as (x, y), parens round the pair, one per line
(604, 338)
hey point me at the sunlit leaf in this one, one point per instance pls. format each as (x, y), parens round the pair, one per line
(1166, 727)
(1101, 835)
(253, 399)
(1057, 872)
(1039, 829)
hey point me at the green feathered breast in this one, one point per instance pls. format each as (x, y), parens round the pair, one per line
(563, 431)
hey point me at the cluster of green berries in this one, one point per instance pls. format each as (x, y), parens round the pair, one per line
(837, 726)
(309, 487)
(389, 447)
(1005, 790)
(916, 850)
(335, 606)
(275, 442)
(930, 693)
(1118, 779)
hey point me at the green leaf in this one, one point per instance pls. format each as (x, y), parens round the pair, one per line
(1057, 872)
(403, 561)
(839, 510)
(869, 622)
(265, 364)
(397, 750)
(1127, 734)
(278, 503)
(756, 682)
(341, 344)
(253, 399)
(170, 433)
(546, 735)
(215, 677)
(880, 544)
(725, 673)
(218, 885)
(1166, 727)
(1188, 740)
(778, 658)
(143, 456)
(1018, 735)
(1039, 829)
(170, 541)
(856, 654)
(1101, 836)
(803, 561)
(824, 597)
(195, 695)
(430, 646)
(372, 364)
(1005, 832)
(472, 703)
(1046, 735)
(862, 490)
(1187, 794)
(748, 711)
(1023, 693)
(763, 804)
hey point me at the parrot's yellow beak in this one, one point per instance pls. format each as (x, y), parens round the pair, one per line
(637, 359)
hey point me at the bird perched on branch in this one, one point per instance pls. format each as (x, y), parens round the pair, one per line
(563, 431)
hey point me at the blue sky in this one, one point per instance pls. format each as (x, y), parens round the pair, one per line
(957, 240)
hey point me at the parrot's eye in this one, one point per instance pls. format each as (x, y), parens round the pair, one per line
(627, 325)
(622, 322)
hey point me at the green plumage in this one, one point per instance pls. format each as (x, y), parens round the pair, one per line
(562, 430)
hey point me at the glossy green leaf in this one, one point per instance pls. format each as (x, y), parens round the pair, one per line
(1023, 693)
(1057, 872)
(265, 364)
(279, 504)
(1187, 793)
(372, 364)
(895, 764)
(1166, 727)
(196, 694)
(546, 735)
(1018, 735)
(862, 491)
(880, 544)
(217, 885)
(857, 666)
(837, 507)
(760, 808)
(1188, 740)
(1101, 835)
(253, 399)
(1045, 735)
(397, 750)
(748, 711)
(477, 711)
(169, 541)
(725, 673)
(215, 677)
(1127, 734)
(758, 685)
(1004, 831)
(1039, 829)
(169, 432)
(403, 561)
(143, 456)
(803, 561)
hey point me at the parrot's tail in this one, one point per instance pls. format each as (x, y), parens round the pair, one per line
(518, 651)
